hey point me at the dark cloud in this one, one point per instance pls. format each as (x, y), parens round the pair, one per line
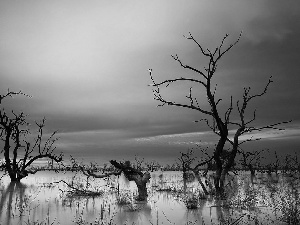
(85, 65)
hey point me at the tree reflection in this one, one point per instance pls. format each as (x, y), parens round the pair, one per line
(12, 201)
(132, 213)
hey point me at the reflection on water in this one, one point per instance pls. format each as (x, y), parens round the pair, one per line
(138, 214)
(9, 201)
(41, 199)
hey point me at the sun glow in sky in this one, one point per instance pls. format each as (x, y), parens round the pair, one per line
(86, 63)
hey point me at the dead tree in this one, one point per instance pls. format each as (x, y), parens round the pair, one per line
(273, 166)
(187, 159)
(244, 126)
(219, 124)
(141, 179)
(249, 159)
(19, 152)
(152, 165)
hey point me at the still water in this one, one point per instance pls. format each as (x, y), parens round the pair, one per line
(43, 198)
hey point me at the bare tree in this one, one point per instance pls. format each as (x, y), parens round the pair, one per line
(18, 150)
(141, 179)
(273, 166)
(187, 160)
(250, 159)
(217, 122)
(152, 165)
(132, 174)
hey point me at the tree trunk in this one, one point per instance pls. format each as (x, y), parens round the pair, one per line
(141, 183)
(184, 186)
(252, 170)
(17, 176)
(222, 182)
(219, 183)
(142, 191)
(13, 178)
(141, 179)
(230, 161)
(196, 172)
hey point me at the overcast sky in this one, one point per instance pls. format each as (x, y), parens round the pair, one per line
(85, 64)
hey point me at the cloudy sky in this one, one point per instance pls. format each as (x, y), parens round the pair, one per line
(85, 64)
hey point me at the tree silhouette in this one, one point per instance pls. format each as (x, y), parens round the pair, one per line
(19, 152)
(218, 122)
(132, 174)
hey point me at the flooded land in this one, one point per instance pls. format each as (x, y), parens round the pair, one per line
(46, 198)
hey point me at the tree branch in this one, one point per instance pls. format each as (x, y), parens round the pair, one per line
(168, 82)
(176, 58)
(90, 173)
(158, 97)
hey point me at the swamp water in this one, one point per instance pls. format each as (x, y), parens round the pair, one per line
(43, 198)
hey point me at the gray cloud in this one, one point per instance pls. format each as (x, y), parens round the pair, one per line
(85, 64)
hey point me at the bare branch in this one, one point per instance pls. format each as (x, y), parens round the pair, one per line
(168, 82)
(158, 97)
(249, 139)
(90, 173)
(207, 123)
(203, 163)
(50, 156)
(219, 124)
(228, 48)
(223, 40)
(271, 126)
(254, 117)
(12, 94)
(228, 112)
(202, 50)
(176, 58)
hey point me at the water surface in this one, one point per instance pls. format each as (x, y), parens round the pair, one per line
(43, 199)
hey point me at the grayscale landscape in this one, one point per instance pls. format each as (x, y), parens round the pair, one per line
(149, 112)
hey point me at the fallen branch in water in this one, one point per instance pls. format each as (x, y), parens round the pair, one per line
(80, 192)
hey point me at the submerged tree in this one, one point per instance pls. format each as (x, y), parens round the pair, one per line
(132, 174)
(19, 152)
(141, 179)
(250, 160)
(218, 122)
(187, 159)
